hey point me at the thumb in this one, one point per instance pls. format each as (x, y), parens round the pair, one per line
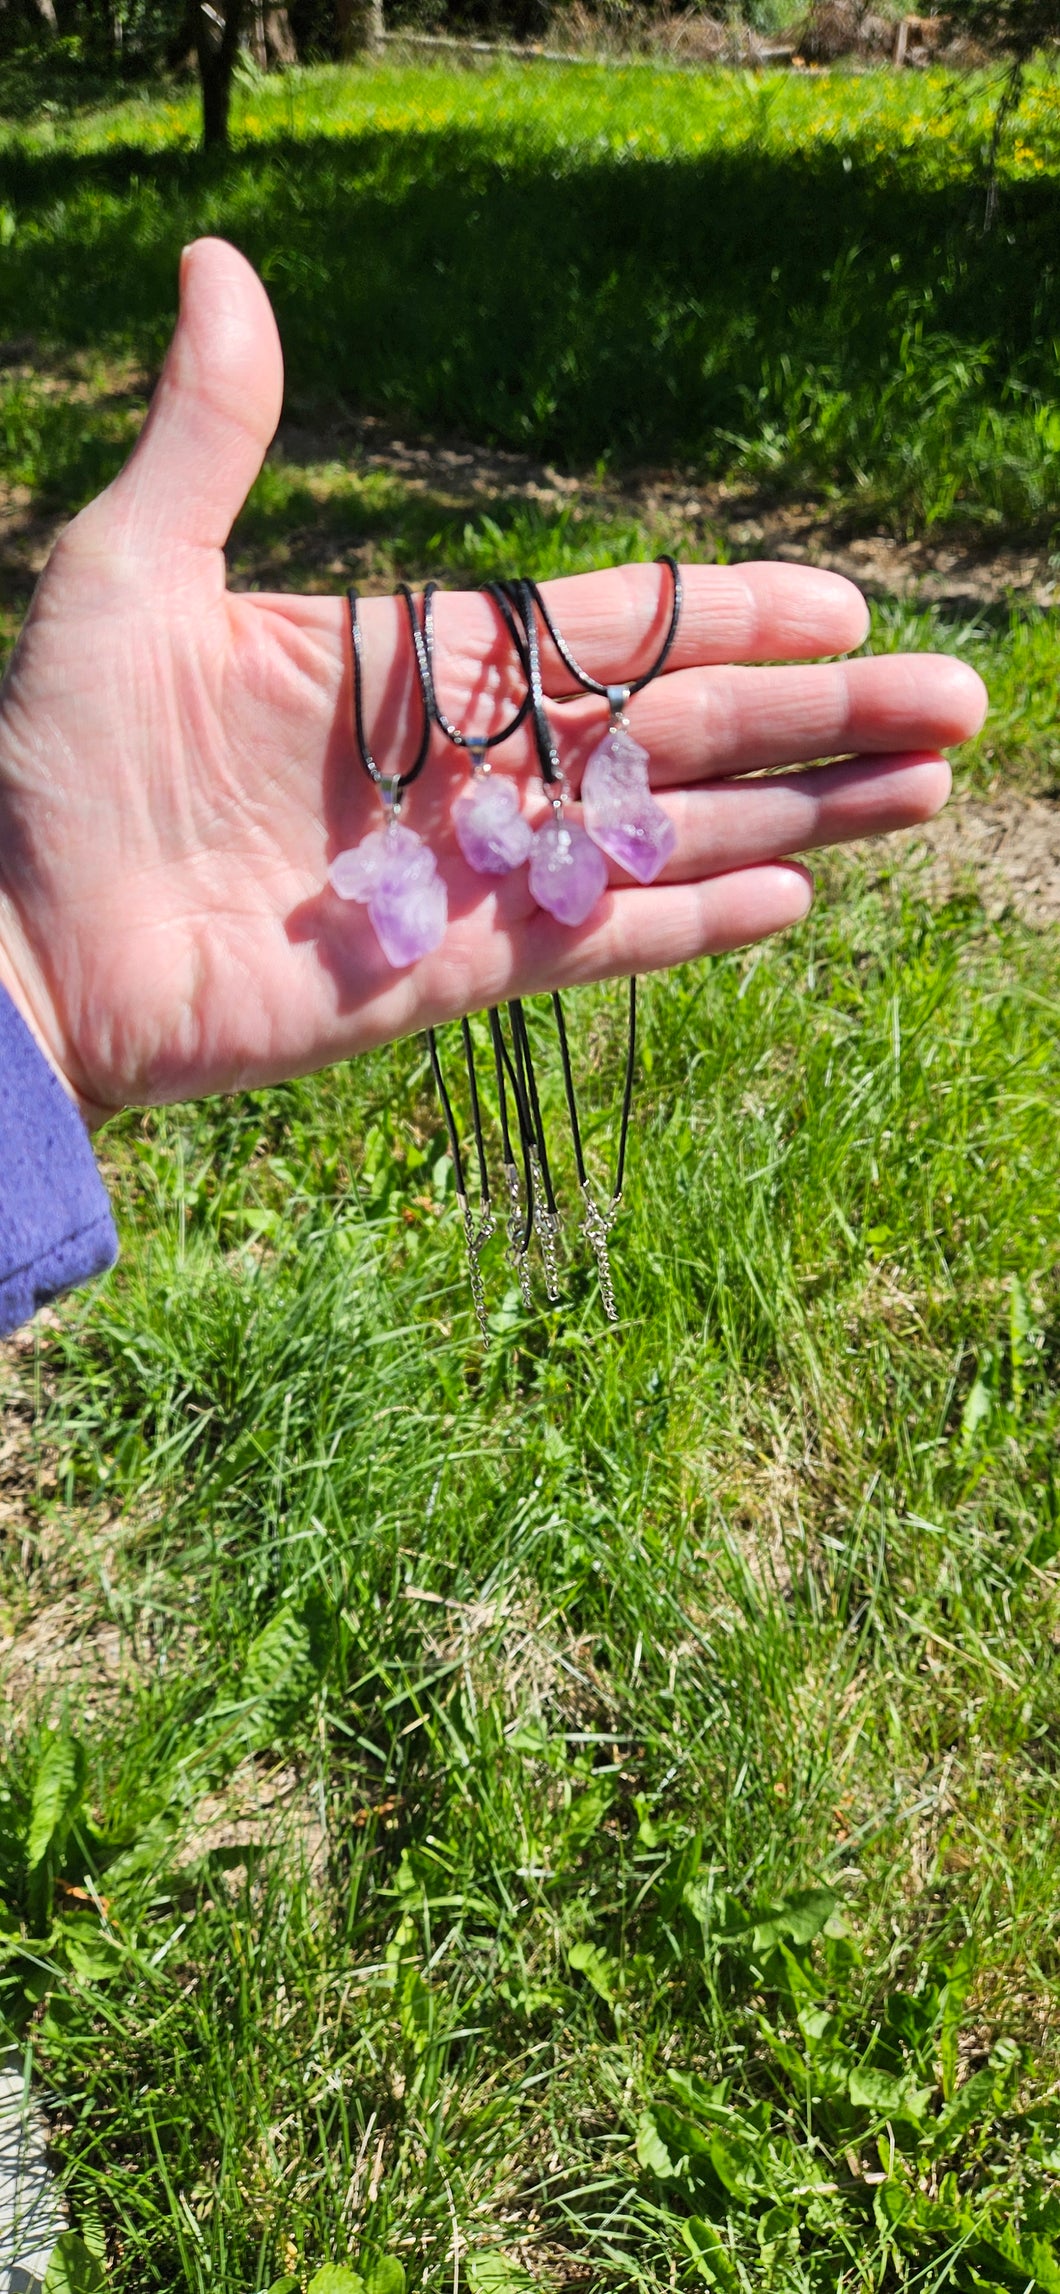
(214, 410)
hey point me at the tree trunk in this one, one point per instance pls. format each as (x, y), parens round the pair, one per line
(216, 47)
(360, 27)
(279, 39)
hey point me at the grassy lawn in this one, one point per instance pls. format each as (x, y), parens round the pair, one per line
(784, 277)
(580, 1814)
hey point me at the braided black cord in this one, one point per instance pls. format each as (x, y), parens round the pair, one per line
(447, 1111)
(523, 633)
(503, 1065)
(599, 685)
(452, 732)
(476, 1112)
(627, 1091)
(525, 1068)
(403, 780)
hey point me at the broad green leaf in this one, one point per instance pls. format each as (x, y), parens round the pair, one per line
(58, 1790)
(92, 2233)
(971, 2101)
(677, 1882)
(586, 1815)
(597, 1968)
(915, 2016)
(72, 2268)
(334, 2278)
(977, 1407)
(683, 2139)
(648, 1834)
(385, 2277)
(285, 1664)
(887, 2097)
(652, 2153)
(737, 2168)
(710, 2103)
(92, 1957)
(712, 2260)
(283, 2286)
(817, 2026)
(892, 2204)
(797, 1919)
(494, 2274)
(1006, 2259)
(415, 2009)
(778, 2230)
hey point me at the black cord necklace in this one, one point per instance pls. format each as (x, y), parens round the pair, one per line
(475, 1237)
(598, 1222)
(494, 838)
(393, 873)
(622, 818)
(616, 696)
(475, 744)
(490, 829)
(619, 811)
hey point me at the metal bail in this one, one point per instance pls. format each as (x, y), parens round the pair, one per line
(390, 792)
(479, 755)
(617, 697)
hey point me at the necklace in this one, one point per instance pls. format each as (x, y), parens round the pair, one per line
(567, 872)
(488, 823)
(618, 809)
(393, 873)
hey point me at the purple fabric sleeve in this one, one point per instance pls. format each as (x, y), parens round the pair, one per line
(55, 1224)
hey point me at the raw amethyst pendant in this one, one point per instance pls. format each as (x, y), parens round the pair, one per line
(490, 829)
(567, 873)
(619, 810)
(395, 876)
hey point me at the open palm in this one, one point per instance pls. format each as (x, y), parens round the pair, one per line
(177, 768)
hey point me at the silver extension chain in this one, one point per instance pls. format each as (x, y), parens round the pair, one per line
(547, 1226)
(517, 1258)
(596, 1226)
(476, 1239)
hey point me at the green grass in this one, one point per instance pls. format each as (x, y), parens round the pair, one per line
(780, 279)
(579, 1815)
(575, 1663)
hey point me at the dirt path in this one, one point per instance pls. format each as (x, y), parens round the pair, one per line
(1006, 850)
(960, 575)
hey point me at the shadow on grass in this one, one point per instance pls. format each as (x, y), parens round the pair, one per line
(740, 310)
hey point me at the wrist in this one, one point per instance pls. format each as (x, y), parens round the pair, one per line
(12, 984)
(31, 1006)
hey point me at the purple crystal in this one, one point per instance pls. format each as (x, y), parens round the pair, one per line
(490, 829)
(408, 919)
(567, 873)
(393, 852)
(620, 811)
(395, 875)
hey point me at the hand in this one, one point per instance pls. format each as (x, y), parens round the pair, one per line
(177, 768)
